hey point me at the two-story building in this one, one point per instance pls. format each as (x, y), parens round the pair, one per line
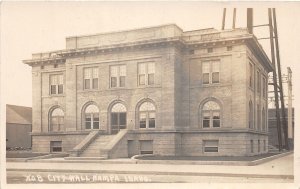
(156, 90)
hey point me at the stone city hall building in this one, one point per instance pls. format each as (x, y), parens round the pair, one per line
(156, 90)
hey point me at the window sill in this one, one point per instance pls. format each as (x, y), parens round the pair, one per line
(117, 88)
(90, 90)
(56, 95)
(147, 86)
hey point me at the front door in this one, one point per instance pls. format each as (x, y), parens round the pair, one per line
(118, 121)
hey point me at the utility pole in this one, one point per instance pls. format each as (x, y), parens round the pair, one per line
(290, 100)
(283, 114)
(234, 18)
(224, 18)
(275, 81)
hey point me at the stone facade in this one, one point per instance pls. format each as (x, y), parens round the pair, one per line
(175, 83)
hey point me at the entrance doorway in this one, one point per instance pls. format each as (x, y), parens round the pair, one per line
(118, 118)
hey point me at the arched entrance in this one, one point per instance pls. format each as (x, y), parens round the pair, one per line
(118, 118)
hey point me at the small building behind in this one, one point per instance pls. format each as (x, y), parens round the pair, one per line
(18, 126)
(273, 134)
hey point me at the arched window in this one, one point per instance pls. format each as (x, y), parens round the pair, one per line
(147, 115)
(258, 117)
(91, 117)
(118, 118)
(211, 115)
(250, 119)
(263, 119)
(57, 120)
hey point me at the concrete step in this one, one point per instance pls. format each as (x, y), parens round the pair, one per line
(85, 158)
(93, 150)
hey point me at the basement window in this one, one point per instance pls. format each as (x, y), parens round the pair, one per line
(146, 146)
(55, 146)
(211, 145)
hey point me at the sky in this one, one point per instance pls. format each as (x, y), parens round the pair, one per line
(31, 27)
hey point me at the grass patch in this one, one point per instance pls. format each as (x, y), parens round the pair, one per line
(208, 158)
(25, 154)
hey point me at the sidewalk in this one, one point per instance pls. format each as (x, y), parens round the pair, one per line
(278, 168)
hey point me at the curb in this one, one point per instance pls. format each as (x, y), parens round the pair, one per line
(173, 162)
(264, 160)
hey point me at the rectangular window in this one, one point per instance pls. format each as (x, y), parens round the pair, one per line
(143, 118)
(258, 82)
(146, 73)
(55, 146)
(264, 87)
(117, 76)
(251, 75)
(215, 72)
(251, 146)
(211, 72)
(146, 146)
(265, 145)
(206, 120)
(205, 72)
(56, 84)
(211, 145)
(216, 119)
(90, 78)
(258, 146)
(151, 119)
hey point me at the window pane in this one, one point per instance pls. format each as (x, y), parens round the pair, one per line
(53, 80)
(123, 70)
(114, 71)
(151, 122)
(205, 78)
(216, 115)
(142, 124)
(113, 82)
(87, 83)
(56, 149)
(211, 149)
(142, 120)
(211, 105)
(151, 68)
(122, 81)
(205, 67)
(216, 123)
(150, 79)
(95, 72)
(95, 83)
(205, 123)
(60, 79)
(142, 68)
(216, 66)
(96, 125)
(53, 89)
(206, 115)
(87, 73)
(215, 77)
(114, 118)
(60, 89)
(142, 79)
(122, 117)
(88, 125)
